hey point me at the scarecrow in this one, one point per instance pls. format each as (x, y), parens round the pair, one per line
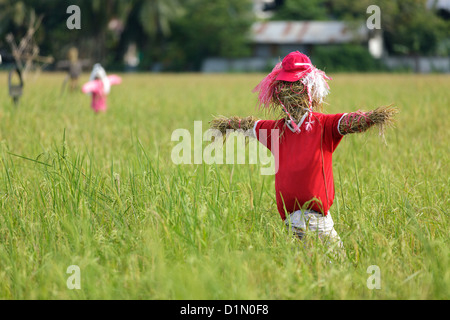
(15, 87)
(99, 86)
(75, 68)
(303, 141)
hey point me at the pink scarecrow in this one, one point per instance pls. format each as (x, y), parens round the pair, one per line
(302, 141)
(99, 86)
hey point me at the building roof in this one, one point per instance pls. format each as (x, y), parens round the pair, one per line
(306, 32)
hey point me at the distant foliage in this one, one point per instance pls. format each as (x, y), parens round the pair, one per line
(177, 35)
(345, 58)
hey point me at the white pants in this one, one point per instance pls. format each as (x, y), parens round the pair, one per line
(308, 221)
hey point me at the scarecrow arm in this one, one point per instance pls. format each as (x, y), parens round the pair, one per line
(361, 121)
(227, 125)
(92, 86)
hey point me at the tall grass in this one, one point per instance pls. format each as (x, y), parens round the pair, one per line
(101, 192)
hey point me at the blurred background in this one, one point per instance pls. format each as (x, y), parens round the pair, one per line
(228, 35)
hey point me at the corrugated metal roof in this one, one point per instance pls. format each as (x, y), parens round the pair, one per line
(306, 32)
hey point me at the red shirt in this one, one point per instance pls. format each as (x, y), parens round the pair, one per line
(303, 178)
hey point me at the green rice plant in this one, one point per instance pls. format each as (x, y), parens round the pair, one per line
(101, 192)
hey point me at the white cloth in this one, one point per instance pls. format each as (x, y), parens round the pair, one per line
(99, 72)
(308, 221)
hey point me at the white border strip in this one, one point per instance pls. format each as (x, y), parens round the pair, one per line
(339, 123)
(254, 129)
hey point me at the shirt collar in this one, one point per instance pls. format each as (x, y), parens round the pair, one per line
(299, 123)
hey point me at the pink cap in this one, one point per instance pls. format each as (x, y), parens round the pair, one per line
(294, 67)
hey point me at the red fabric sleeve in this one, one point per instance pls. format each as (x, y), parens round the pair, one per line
(264, 129)
(92, 86)
(332, 136)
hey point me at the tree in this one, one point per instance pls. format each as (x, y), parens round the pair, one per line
(13, 17)
(301, 10)
(413, 29)
(176, 34)
(208, 29)
(409, 27)
(53, 35)
(149, 23)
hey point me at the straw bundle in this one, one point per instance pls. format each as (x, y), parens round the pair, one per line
(361, 121)
(223, 124)
(227, 125)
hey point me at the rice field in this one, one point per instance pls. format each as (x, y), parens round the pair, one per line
(93, 207)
